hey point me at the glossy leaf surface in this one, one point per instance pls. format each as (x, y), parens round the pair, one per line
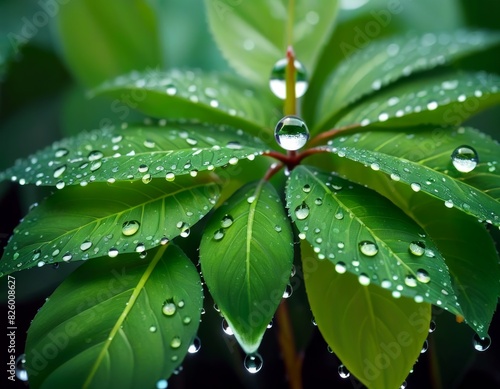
(246, 256)
(121, 323)
(80, 223)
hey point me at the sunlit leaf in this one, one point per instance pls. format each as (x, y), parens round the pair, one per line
(213, 98)
(80, 223)
(246, 257)
(382, 62)
(135, 153)
(377, 337)
(124, 323)
(446, 99)
(104, 39)
(363, 233)
(259, 32)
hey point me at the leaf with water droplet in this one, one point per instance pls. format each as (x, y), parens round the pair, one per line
(110, 315)
(162, 152)
(385, 61)
(253, 50)
(245, 270)
(102, 220)
(211, 98)
(367, 316)
(372, 242)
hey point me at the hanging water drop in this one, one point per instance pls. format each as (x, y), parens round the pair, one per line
(113, 252)
(288, 291)
(302, 211)
(432, 326)
(185, 230)
(343, 372)
(368, 248)
(162, 384)
(21, 372)
(364, 279)
(481, 344)
(169, 308)
(291, 133)
(253, 363)
(277, 81)
(195, 346)
(417, 248)
(130, 227)
(464, 158)
(225, 327)
(140, 248)
(425, 347)
(340, 267)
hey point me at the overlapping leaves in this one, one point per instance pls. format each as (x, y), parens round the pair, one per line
(124, 323)
(104, 220)
(135, 153)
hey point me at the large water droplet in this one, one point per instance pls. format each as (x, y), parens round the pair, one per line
(169, 308)
(343, 372)
(364, 279)
(417, 248)
(195, 346)
(340, 267)
(481, 344)
(219, 234)
(410, 281)
(277, 81)
(162, 384)
(464, 158)
(21, 372)
(86, 245)
(302, 211)
(95, 155)
(423, 276)
(226, 221)
(130, 227)
(58, 172)
(253, 363)
(113, 252)
(225, 327)
(368, 248)
(175, 342)
(291, 133)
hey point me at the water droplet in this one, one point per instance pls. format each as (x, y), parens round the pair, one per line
(464, 158)
(250, 199)
(86, 245)
(375, 166)
(170, 176)
(175, 342)
(364, 279)
(425, 347)
(150, 144)
(306, 188)
(339, 215)
(169, 308)
(277, 81)
(288, 291)
(448, 203)
(143, 168)
(21, 372)
(343, 372)
(481, 344)
(302, 211)
(368, 248)
(395, 177)
(61, 153)
(415, 186)
(432, 326)
(162, 384)
(164, 241)
(417, 248)
(403, 385)
(195, 346)
(60, 184)
(410, 281)
(219, 234)
(58, 172)
(184, 227)
(186, 320)
(95, 155)
(130, 227)
(277, 228)
(340, 267)
(253, 363)
(423, 276)
(67, 257)
(152, 329)
(113, 252)
(226, 221)
(140, 248)
(291, 133)
(318, 201)
(225, 327)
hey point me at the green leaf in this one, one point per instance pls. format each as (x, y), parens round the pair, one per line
(80, 223)
(259, 32)
(383, 62)
(471, 257)
(375, 336)
(6, 52)
(246, 256)
(363, 233)
(101, 40)
(122, 323)
(446, 99)
(139, 153)
(422, 159)
(213, 98)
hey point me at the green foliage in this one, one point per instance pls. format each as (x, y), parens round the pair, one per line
(394, 190)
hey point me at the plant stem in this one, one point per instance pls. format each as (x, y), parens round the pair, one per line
(290, 100)
(293, 362)
(331, 133)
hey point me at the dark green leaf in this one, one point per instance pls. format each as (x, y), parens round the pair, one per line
(213, 98)
(246, 256)
(139, 153)
(385, 61)
(423, 160)
(101, 219)
(122, 323)
(375, 336)
(444, 99)
(365, 234)
(259, 32)
(104, 39)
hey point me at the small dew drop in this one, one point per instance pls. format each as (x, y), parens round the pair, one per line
(425, 347)
(291, 133)
(277, 81)
(318, 201)
(415, 186)
(21, 372)
(364, 279)
(113, 252)
(175, 342)
(219, 235)
(226, 221)
(170, 176)
(343, 372)
(368, 248)
(95, 155)
(410, 281)
(302, 211)
(417, 248)
(130, 227)
(423, 276)
(169, 308)
(162, 384)
(288, 291)
(340, 267)
(253, 363)
(67, 257)
(225, 327)
(86, 245)
(58, 172)
(464, 159)
(152, 329)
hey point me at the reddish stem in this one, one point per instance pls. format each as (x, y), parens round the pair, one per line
(331, 133)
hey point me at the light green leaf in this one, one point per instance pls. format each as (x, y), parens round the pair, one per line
(139, 153)
(363, 233)
(385, 61)
(122, 323)
(259, 32)
(423, 160)
(246, 256)
(80, 223)
(375, 336)
(101, 40)
(213, 98)
(471, 257)
(446, 99)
